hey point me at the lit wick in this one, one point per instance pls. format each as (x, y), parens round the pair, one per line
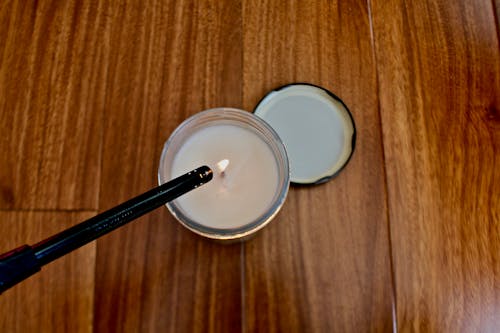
(222, 165)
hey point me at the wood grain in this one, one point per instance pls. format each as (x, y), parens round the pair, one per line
(90, 91)
(167, 61)
(60, 297)
(51, 98)
(438, 70)
(323, 265)
(496, 13)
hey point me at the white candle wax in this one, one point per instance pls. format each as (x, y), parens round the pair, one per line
(239, 195)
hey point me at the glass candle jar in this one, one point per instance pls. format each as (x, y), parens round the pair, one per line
(250, 166)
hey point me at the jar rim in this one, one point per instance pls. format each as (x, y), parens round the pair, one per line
(267, 134)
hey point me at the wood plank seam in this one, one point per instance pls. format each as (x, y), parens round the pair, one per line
(391, 254)
(49, 210)
(495, 8)
(243, 294)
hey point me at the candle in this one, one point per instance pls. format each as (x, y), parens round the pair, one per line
(250, 166)
(244, 182)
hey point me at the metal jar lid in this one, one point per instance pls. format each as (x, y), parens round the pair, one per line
(316, 127)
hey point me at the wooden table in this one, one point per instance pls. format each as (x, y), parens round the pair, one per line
(407, 237)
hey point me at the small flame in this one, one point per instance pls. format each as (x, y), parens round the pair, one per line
(222, 165)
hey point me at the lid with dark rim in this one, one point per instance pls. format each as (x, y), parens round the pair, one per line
(316, 127)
